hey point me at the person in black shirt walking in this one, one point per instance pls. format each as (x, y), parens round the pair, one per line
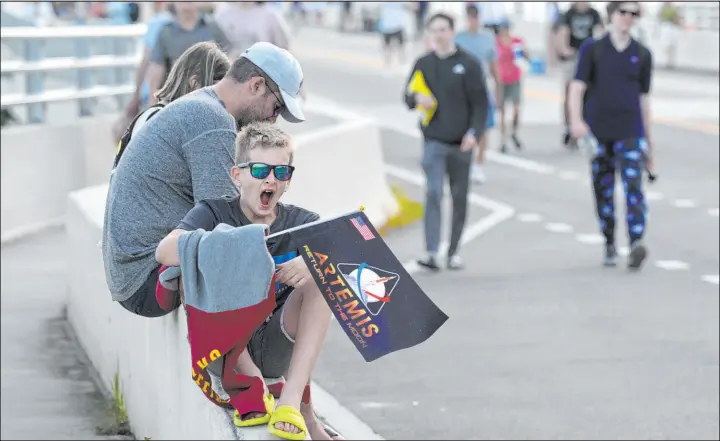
(457, 84)
(577, 25)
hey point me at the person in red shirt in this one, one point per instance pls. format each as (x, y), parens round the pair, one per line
(510, 50)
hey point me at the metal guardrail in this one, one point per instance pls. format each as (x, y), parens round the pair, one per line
(123, 55)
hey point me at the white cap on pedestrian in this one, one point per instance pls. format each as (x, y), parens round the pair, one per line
(285, 71)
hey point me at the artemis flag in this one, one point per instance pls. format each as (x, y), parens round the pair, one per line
(378, 304)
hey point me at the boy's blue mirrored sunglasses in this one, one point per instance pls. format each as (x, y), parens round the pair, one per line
(260, 170)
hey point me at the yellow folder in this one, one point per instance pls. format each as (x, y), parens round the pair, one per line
(418, 85)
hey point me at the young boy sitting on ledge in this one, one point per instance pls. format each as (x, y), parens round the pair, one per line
(288, 343)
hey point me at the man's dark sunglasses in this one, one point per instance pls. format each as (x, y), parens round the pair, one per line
(628, 12)
(279, 103)
(260, 170)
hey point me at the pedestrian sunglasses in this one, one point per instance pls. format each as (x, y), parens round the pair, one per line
(629, 12)
(260, 170)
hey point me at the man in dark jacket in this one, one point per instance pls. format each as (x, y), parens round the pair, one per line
(457, 90)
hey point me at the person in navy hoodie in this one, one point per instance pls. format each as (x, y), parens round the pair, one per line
(616, 71)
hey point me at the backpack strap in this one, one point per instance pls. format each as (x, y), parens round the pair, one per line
(125, 139)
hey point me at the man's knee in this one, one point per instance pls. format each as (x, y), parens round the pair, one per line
(433, 195)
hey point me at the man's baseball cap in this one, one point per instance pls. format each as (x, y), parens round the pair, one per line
(284, 69)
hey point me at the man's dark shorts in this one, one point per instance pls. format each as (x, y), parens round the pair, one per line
(144, 302)
(398, 36)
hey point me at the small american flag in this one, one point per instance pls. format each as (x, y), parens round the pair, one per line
(362, 228)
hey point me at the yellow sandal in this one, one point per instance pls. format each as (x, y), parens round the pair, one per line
(288, 415)
(258, 421)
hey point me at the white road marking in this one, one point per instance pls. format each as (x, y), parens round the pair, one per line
(558, 227)
(714, 212)
(672, 265)
(332, 109)
(684, 203)
(529, 217)
(714, 279)
(623, 251)
(654, 196)
(568, 175)
(591, 239)
(514, 161)
(377, 405)
(304, 138)
(500, 212)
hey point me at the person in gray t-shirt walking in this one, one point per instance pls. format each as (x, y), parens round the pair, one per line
(187, 28)
(184, 155)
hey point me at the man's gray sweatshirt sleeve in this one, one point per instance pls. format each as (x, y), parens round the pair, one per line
(210, 156)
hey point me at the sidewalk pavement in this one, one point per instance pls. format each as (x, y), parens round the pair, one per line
(48, 390)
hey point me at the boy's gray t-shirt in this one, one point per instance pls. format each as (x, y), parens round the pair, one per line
(182, 155)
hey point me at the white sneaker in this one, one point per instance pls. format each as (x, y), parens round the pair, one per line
(477, 174)
(455, 263)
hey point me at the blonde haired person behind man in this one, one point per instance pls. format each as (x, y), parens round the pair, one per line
(202, 65)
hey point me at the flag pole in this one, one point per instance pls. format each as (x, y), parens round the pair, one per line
(312, 224)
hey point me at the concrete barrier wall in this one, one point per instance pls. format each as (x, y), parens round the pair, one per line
(151, 357)
(42, 164)
(340, 169)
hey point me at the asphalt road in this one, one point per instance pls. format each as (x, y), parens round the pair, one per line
(542, 342)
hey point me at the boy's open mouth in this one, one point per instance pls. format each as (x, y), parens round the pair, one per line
(266, 197)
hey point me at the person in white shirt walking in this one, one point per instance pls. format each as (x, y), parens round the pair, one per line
(392, 27)
(480, 42)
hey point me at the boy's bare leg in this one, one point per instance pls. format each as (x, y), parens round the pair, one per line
(306, 318)
(482, 146)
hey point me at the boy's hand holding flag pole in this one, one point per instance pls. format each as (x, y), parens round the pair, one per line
(378, 304)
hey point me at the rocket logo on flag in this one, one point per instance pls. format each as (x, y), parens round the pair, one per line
(373, 286)
(362, 228)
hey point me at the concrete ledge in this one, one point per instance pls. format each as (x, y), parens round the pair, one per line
(41, 164)
(150, 356)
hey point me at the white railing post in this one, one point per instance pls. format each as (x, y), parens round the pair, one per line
(120, 74)
(83, 51)
(101, 54)
(32, 52)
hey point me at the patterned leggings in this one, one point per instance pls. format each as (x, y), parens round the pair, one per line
(629, 156)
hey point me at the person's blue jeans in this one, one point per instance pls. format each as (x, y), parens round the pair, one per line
(440, 159)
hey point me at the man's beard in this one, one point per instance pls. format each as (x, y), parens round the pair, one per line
(252, 113)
